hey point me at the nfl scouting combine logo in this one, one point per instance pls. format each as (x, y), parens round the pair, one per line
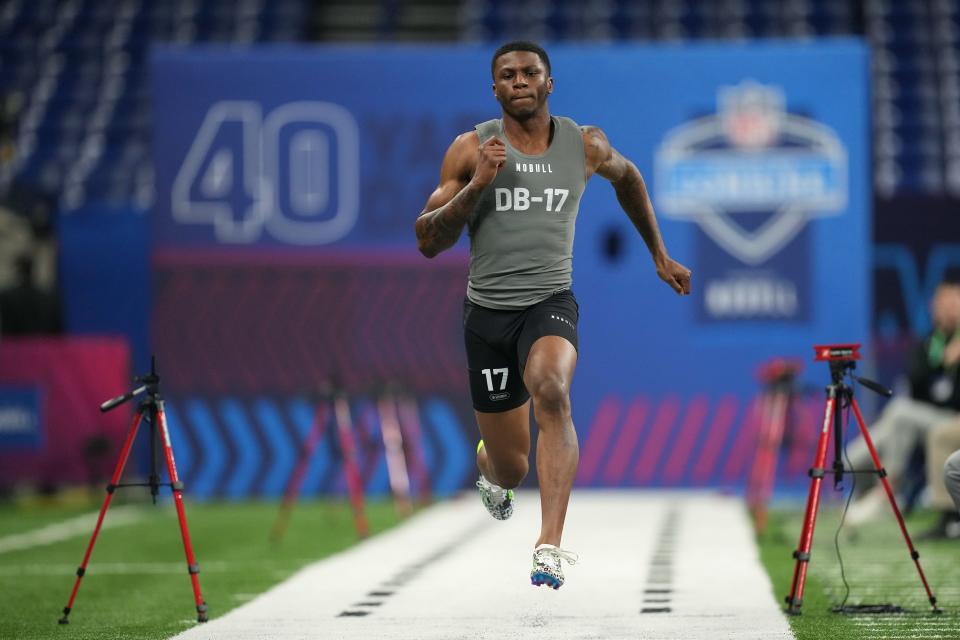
(751, 177)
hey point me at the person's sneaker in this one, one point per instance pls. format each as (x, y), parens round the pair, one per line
(868, 508)
(946, 528)
(952, 530)
(497, 500)
(546, 565)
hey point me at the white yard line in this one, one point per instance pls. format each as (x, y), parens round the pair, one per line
(142, 568)
(114, 568)
(452, 572)
(79, 525)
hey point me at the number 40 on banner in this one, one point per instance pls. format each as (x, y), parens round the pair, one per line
(293, 174)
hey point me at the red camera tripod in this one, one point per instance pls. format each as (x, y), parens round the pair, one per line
(842, 359)
(776, 403)
(151, 409)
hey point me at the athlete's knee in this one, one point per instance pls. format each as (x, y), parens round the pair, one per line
(511, 471)
(551, 396)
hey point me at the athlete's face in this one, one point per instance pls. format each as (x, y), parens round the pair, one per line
(521, 84)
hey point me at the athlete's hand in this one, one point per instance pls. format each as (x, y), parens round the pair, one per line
(491, 155)
(674, 274)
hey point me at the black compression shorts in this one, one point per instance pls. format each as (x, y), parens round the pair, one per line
(498, 343)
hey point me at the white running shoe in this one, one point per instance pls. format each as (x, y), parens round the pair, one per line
(868, 508)
(546, 565)
(497, 500)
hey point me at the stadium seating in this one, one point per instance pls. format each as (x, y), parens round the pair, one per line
(81, 67)
(916, 93)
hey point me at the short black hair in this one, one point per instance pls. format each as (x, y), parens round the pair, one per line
(951, 279)
(520, 45)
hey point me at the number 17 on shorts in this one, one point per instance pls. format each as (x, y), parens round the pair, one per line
(503, 375)
(496, 389)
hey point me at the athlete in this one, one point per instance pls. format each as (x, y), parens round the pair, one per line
(515, 183)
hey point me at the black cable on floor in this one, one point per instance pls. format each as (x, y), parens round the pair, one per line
(843, 607)
(843, 516)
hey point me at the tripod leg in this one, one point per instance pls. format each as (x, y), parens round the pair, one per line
(410, 426)
(802, 554)
(114, 481)
(352, 470)
(760, 457)
(192, 567)
(914, 554)
(299, 471)
(393, 451)
(768, 479)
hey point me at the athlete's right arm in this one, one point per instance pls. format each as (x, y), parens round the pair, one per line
(467, 168)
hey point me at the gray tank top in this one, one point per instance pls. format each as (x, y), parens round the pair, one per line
(522, 227)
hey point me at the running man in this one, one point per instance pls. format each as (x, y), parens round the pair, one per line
(515, 183)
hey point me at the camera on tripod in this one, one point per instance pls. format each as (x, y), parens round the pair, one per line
(842, 359)
(150, 411)
(837, 352)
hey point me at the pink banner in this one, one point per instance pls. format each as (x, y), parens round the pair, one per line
(73, 376)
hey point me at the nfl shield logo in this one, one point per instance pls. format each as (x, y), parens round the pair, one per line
(751, 114)
(751, 177)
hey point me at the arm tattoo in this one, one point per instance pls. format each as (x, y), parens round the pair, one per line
(633, 197)
(439, 229)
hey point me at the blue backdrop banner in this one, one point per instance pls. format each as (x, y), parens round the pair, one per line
(755, 156)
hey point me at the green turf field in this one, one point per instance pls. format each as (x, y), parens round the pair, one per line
(879, 570)
(137, 585)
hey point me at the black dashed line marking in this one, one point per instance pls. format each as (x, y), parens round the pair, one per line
(661, 568)
(410, 572)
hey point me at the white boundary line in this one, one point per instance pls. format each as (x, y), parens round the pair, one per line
(66, 529)
(125, 568)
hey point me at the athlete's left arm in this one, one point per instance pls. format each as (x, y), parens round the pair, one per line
(604, 160)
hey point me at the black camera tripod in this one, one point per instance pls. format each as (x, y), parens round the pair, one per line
(842, 359)
(151, 410)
